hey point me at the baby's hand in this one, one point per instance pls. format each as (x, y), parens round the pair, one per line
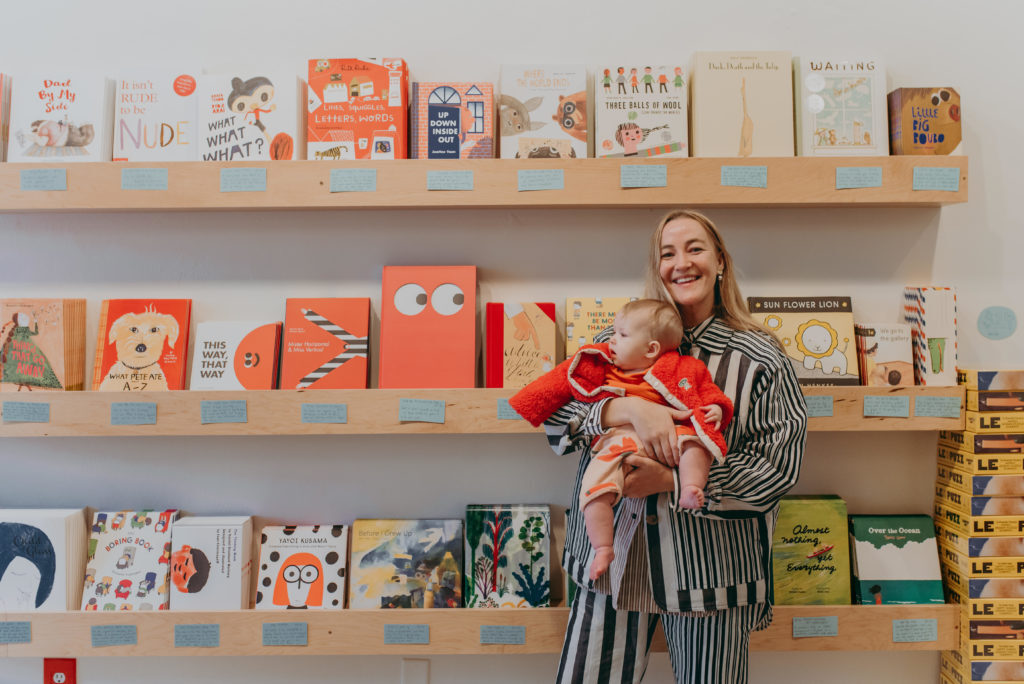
(713, 414)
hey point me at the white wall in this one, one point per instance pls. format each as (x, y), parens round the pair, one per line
(243, 265)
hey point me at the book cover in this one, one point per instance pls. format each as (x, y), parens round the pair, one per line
(155, 116)
(1004, 402)
(990, 380)
(895, 560)
(250, 117)
(841, 107)
(451, 121)
(817, 334)
(211, 563)
(358, 108)
(235, 355)
(508, 556)
(60, 116)
(129, 560)
(540, 103)
(42, 344)
(302, 566)
(587, 316)
(520, 342)
(925, 121)
(741, 104)
(885, 355)
(931, 314)
(640, 111)
(811, 552)
(428, 327)
(142, 345)
(406, 564)
(42, 558)
(326, 343)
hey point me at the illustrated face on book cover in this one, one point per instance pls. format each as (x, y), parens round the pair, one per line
(27, 567)
(141, 345)
(190, 568)
(300, 582)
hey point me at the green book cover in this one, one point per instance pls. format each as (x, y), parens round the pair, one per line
(895, 559)
(810, 552)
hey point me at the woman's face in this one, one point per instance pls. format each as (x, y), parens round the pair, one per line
(689, 266)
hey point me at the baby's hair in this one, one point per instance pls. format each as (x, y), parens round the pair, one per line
(660, 320)
(627, 126)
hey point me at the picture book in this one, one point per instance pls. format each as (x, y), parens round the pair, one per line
(358, 108)
(211, 563)
(520, 342)
(428, 327)
(142, 345)
(817, 334)
(5, 114)
(884, 354)
(155, 116)
(640, 111)
(991, 380)
(894, 559)
(42, 345)
(251, 116)
(235, 355)
(508, 556)
(587, 316)
(302, 566)
(975, 443)
(991, 421)
(985, 464)
(129, 564)
(326, 343)
(451, 121)
(42, 559)
(811, 552)
(841, 107)
(60, 116)
(540, 103)
(995, 401)
(931, 314)
(406, 564)
(741, 104)
(925, 121)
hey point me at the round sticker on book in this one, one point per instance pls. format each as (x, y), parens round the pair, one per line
(815, 104)
(997, 322)
(815, 83)
(184, 85)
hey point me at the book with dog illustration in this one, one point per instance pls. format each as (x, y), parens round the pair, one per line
(841, 107)
(542, 111)
(520, 342)
(587, 316)
(302, 566)
(155, 116)
(326, 343)
(142, 345)
(931, 314)
(129, 565)
(42, 558)
(60, 116)
(211, 563)
(251, 116)
(42, 344)
(811, 551)
(508, 556)
(640, 111)
(451, 121)
(235, 355)
(884, 354)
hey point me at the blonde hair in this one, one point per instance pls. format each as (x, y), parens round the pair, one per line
(660, 320)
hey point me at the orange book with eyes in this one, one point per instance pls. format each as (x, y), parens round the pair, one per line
(142, 345)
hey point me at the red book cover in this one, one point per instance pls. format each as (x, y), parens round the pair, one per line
(326, 343)
(142, 345)
(520, 342)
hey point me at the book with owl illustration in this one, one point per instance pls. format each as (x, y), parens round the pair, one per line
(211, 563)
(42, 559)
(811, 551)
(60, 116)
(326, 343)
(235, 355)
(406, 564)
(302, 566)
(155, 116)
(741, 104)
(521, 340)
(142, 345)
(251, 116)
(587, 316)
(640, 111)
(925, 121)
(42, 344)
(508, 556)
(884, 354)
(841, 107)
(931, 314)
(816, 333)
(540, 105)
(451, 121)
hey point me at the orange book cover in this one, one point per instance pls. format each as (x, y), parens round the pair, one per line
(326, 343)
(520, 342)
(142, 345)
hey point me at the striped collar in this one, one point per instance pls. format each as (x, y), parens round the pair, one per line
(710, 335)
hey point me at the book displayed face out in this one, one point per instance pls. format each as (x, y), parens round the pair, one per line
(302, 566)
(640, 111)
(542, 111)
(155, 116)
(142, 345)
(508, 556)
(451, 121)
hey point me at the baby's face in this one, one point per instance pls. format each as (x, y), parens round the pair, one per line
(629, 345)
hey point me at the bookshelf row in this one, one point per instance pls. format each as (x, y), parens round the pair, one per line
(417, 184)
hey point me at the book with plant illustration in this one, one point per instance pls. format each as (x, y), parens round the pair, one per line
(508, 556)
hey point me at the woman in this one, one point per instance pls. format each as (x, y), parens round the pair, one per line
(705, 574)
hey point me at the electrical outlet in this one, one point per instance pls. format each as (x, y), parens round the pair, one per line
(415, 671)
(59, 670)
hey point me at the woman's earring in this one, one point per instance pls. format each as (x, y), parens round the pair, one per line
(719, 276)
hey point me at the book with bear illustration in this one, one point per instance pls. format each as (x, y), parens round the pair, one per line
(142, 345)
(302, 566)
(640, 111)
(155, 116)
(884, 354)
(542, 111)
(42, 559)
(508, 556)
(251, 116)
(211, 563)
(326, 343)
(521, 340)
(42, 344)
(451, 121)
(587, 316)
(235, 355)
(841, 107)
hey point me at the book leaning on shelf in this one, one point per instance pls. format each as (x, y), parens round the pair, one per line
(885, 355)
(42, 344)
(811, 551)
(326, 343)
(520, 342)
(235, 355)
(841, 107)
(155, 116)
(895, 560)
(647, 120)
(302, 566)
(211, 563)
(508, 556)
(543, 111)
(5, 113)
(250, 116)
(42, 558)
(451, 121)
(142, 345)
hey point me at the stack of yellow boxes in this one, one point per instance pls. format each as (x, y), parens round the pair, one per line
(979, 524)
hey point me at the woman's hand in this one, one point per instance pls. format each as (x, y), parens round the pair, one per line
(645, 476)
(654, 425)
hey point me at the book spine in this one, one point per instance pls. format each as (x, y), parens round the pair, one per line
(101, 344)
(495, 371)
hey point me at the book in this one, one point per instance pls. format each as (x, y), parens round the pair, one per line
(984, 464)
(60, 116)
(540, 105)
(508, 556)
(211, 563)
(932, 316)
(925, 121)
(235, 355)
(884, 354)
(358, 108)
(42, 559)
(817, 334)
(302, 566)
(841, 107)
(741, 104)
(811, 552)
(155, 116)
(451, 121)
(129, 560)
(894, 560)
(587, 316)
(520, 342)
(251, 116)
(326, 343)
(976, 379)
(428, 327)
(995, 401)
(406, 564)
(42, 344)
(640, 111)
(142, 345)
(5, 114)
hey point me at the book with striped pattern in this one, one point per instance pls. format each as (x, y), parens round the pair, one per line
(326, 343)
(235, 355)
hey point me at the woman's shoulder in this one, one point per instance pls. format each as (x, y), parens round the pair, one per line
(757, 345)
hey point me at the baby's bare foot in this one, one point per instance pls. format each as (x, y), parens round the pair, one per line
(691, 496)
(603, 557)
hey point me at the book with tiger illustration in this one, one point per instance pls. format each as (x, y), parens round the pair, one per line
(155, 116)
(60, 116)
(251, 116)
(42, 344)
(520, 342)
(587, 316)
(235, 355)
(640, 111)
(540, 106)
(142, 345)
(451, 121)
(326, 343)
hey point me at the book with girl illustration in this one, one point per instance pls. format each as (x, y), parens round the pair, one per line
(42, 345)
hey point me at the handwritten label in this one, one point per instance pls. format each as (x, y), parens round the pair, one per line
(937, 407)
(887, 407)
(44, 179)
(197, 636)
(745, 176)
(506, 412)
(133, 413)
(26, 412)
(643, 176)
(15, 632)
(824, 626)
(353, 180)
(223, 411)
(285, 634)
(848, 177)
(449, 180)
(942, 178)
(325, 413)
(243, 180)
(907, 631)
(421, 410)
(114, 635)
(997, 322)
(820, 406)
(502, 634)
(143, 179)
(406, 634)
(541, 179)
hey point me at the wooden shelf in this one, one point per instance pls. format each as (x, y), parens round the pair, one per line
(455, 631)
(402, 184)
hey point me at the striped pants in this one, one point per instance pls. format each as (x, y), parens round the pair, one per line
(606, 646)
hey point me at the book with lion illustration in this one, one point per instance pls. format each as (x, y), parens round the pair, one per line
(817, 334)
(640, 111)
(542, 111)
(508, 556)
(251, 116)
(142, 345)
(42, 344)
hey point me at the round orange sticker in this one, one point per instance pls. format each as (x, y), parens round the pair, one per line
(184, 85)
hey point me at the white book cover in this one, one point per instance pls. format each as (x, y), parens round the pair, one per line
(841, 107)
(60, 116)
(543, 111)
(235, 355)
(302, 566)
(42, 557)
(155, 116)
(251, 116)
(886, 357)
(931, 314)
(211, 563)
(640, 111)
